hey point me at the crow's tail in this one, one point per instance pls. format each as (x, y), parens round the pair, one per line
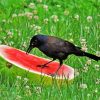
(79, 52)
(91, 56)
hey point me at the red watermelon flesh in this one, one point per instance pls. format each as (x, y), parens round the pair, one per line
(30, 62)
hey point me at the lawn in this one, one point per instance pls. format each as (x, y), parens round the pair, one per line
(77, 21)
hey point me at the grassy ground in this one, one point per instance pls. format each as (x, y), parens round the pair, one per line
(75, 20)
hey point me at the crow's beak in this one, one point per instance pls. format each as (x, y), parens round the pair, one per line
(29, 49)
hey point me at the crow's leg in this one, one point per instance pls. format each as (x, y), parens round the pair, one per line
(61, 62)
(45, 65)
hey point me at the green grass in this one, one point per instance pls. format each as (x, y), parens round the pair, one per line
(72, 26)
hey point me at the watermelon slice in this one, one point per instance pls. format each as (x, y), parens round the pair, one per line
(30, 62)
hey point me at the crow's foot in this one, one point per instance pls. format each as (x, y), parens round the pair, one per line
(42, 66)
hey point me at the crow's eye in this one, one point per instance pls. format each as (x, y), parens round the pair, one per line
(35, 40)
(32, 44)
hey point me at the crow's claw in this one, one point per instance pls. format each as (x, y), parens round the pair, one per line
(53, 75)
(42, 66)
